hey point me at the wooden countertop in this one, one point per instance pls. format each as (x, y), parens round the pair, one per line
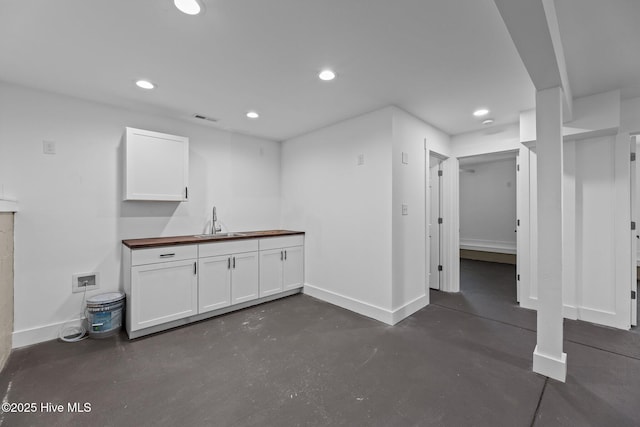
(191, 240)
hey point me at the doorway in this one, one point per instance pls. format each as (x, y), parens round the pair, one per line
(489, 224)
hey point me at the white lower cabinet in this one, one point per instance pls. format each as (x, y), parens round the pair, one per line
(163, 292)
(281, 269)
(244, 277)
(214, 283)
(293, 268)
(169, 283)
(271, 272)
(226, 280)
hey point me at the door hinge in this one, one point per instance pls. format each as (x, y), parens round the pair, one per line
(633, 294)
(633, 225)
(439, 220)
(518, 278)
(439, 173)
(439, 268)
(186, 192)
(633, 157)
(517, 168)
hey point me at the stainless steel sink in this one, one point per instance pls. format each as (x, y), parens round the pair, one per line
(218, 235)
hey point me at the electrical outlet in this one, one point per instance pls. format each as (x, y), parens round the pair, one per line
(405, 209)
(48, 147)
(85, 282)
(360, 159)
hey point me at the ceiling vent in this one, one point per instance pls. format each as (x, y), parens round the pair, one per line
(201, 117)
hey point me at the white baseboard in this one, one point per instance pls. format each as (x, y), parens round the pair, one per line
(39, 334)
(488, 246)
(549, 366)
(360, 307)
(390, 317)
(570, 312)
(409, 308)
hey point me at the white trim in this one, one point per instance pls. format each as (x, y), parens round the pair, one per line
(40, 334)
(550, 366)
(496, 246)
(7, 205)
(352, 304)
(409, 308)
(570, 312)
(390, 317)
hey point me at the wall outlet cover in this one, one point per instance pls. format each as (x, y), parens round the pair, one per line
(85, 282)
(360, 159)
(48, 147)
(405, 209)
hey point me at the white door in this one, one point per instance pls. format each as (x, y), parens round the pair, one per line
(214, 283)
(244, 277)
(271, 270)
(163, 292)
(293, 276)
(435, 185)
(635, 234)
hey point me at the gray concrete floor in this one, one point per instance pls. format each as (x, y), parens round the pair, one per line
(463, 360)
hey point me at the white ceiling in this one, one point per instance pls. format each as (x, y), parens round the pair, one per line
(601, 41)
(438, 60)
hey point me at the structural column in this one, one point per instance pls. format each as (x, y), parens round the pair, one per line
(548, 357)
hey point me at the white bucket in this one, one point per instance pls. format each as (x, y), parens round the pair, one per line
(104, 314)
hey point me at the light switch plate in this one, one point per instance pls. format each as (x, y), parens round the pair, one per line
(405, 158)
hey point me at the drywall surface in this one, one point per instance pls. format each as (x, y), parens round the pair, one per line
(336, 185)
(491, 140)
(409, 189)
(488, 206)
(6, 285)
(72, 217)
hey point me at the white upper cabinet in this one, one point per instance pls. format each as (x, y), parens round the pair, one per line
(156, 166)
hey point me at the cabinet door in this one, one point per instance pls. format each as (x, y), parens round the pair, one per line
(214, 283)
(294, 267)
(244, 277)
(163, 292)
(156, 166)
(271, 272)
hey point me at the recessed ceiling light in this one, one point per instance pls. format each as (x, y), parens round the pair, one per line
(327, 75)
(253, 115)
(190, 7)
(487, 122)
(145, 84)
(481, 112)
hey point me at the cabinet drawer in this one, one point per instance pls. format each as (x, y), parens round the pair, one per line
(163, 254)
(281, 242)
(227, 248)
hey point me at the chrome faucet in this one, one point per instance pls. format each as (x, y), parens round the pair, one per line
(215, 228)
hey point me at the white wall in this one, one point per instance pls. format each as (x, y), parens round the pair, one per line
(345, 209)
(72, 217)
(488, 206)
(409, 245)
(492, 140)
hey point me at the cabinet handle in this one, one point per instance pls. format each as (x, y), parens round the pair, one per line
(285, 255)
(228, 263)
(195, 268)
(281, 255)
(167, 255)
(234, 262)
